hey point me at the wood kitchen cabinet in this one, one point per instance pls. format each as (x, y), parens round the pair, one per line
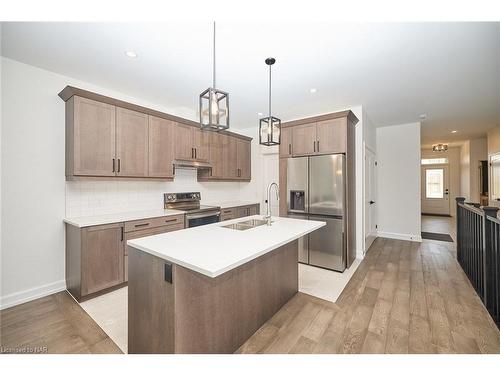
(94, 258)
(90, 137)
(109, 138)
(286, 143)
(191, 143)
(318, 138)
(161, 144)
(132, 139)
(243, 158)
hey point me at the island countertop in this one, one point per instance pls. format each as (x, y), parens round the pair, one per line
(213, 250)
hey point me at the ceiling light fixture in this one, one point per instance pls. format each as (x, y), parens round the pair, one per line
(214, 105)
(453, 131)
(270, 126)
(260, 114)
(423, 116)
(440, 147)
(312, 91)
(131, 54)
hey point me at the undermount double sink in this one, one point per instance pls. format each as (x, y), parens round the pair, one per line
(248, 224)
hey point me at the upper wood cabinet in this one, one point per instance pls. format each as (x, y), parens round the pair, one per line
(244, 162)
(90, 138)
(286, 142)
(331, 136)
(106, 137)
(132, 141)
(161, 153)
(323, 137)
(304, 139)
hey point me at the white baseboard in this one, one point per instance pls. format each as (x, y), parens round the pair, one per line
(400, 236)
(31, 294)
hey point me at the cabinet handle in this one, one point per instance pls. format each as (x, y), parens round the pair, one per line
(141, 225)
(318, 145)
(122, 230)
(195, 152)
(289, 149)
(314, 146)
(192, 153)
(119, 165)
(113, 165)
(170, 220)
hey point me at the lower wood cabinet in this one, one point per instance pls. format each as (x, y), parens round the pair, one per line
(239, 211)
(96, 256)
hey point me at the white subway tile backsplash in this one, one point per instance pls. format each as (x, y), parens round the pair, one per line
(88, 198)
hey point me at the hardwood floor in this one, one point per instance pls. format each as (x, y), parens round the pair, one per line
(52, 324)
(405, 297)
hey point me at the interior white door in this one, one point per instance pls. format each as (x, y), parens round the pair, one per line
(370, 194)
(270, 168)
(435, 189)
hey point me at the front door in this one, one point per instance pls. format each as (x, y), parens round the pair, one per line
(435, 190)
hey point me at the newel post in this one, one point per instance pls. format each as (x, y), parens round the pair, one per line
(487, 247)
(459, 200)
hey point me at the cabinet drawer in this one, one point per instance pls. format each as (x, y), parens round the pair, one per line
(152, 232)
(137, 225)
(228, 214)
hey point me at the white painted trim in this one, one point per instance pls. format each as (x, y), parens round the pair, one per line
(31, 294)
(400, 236)
(360, 254)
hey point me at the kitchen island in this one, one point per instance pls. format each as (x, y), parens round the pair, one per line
(208, 289)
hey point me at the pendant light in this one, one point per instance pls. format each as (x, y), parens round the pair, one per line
(214, 105)
(439, 147)
(270, 126)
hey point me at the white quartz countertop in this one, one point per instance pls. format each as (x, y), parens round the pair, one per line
(213, 250)
(89, 221)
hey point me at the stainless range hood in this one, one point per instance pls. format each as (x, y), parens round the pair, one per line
(191, 164)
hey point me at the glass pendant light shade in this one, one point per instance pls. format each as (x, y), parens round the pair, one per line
(270, 126)
(214, 105)
(214, 109)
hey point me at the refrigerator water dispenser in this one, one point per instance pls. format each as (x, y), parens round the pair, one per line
(297, 200)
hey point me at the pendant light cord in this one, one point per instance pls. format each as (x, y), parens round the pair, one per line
(214, 60)
(270, 92)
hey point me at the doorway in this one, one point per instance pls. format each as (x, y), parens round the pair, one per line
(370, 195)
(435, 190)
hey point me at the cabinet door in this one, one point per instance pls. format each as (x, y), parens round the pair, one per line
(102, 257)
(161, 151)
(216, 155)
(244, 159)
(201, 144)
(229, 151)
(286, 142)
(331, 136)
(243, 211)
(254, 210)
(91, 139)
(131, 143)
(183, 143)
(304, 139)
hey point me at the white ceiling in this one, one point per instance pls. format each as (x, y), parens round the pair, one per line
(449, 71)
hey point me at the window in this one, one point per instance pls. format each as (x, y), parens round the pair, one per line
(495, 176)
(435, 161)
(434, 183)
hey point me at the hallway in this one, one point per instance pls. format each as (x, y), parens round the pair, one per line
(440, 224)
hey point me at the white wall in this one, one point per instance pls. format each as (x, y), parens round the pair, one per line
(33, 187)
(493, 138)
(465, 170)
(478, 152)
(398, 155)
(453, 155)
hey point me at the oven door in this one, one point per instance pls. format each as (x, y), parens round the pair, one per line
(202, 218)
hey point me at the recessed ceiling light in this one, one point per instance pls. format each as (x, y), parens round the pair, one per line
(260, 114)
(453, 131)
(423, 116)
(312, 91)
(131, 54)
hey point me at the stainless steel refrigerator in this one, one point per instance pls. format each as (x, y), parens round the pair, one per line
(316, 190)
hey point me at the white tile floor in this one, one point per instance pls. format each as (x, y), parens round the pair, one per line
(110, 310)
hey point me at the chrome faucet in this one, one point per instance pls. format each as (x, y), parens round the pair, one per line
(268, 210)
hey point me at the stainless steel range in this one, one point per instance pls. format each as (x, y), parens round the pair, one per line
(196, 214)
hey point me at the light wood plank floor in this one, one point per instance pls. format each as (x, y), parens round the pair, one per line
(52, 324)
(405, 297)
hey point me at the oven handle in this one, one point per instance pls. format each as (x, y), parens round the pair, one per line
(206, 214)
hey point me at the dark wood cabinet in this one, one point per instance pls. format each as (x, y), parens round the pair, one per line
(161, 153)
(286, 143)
(243, 159)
